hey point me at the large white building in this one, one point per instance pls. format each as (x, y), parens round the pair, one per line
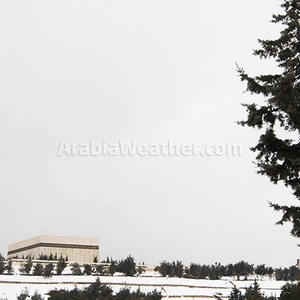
(81, 250)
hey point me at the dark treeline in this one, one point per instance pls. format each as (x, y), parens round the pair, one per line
(128, 267)
(95, 291)
(216, 271)
(43, 256)
(48, 268)
(101, 291)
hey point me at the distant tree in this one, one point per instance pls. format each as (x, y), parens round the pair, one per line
(2, 264)
(294, 273)
(61, 294)
(140, 270)
(261, 270)
(194, 270)
(27, 266)
(48, 270)
(36, 296)
(187, 272)
(112, 268)
(95, 259)
(87, 269)
(23, 296)
(123, 294)
(38, 269)
(290, 291)
(162, 268)
(178, 267)
(154, 295)
(166, 268)
(106, 292)
(220, 270)
(100, 270)
(127, 266)
(253, 292)
(213, 274)
(235, 294)
(94, 290)
(76, 270)
(9, 267)
(43, 257)
(229, 270)
(61, 265)
(270, 271)
(243, 268)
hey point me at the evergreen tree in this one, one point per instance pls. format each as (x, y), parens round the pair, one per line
(106, 292)
(27, 266)
(61, 265)
(162, 268)
(140, 270)
(290, 292)
(100, 270)
(127, 266)
(38, 269)
(261, 269)
(253, 292)
(76, 270)
(23, 296)
(2, 264)
(87, 269)
(43, 256)
(112, 268)
(235, 294)
(243, 268)
(94, 290)
(278, 157)
(36, 296)
(48, 270)
(294, 273)
(178, 268)
(9, 267)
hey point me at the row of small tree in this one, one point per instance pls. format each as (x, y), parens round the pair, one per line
(97, 290)
(39, 270)
(42, 256)
(288, 292)
(94, 291)
(126, 266)
(252, 293)
(216, 271)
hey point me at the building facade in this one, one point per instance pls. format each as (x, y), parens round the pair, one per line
(80, 250)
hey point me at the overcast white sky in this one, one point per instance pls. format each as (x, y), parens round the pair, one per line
(145, 71)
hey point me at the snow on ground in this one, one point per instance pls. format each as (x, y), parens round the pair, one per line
(12, 285)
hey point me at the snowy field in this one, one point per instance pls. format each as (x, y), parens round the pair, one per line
(12, 285)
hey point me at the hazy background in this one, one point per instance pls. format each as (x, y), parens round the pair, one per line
(149, 71)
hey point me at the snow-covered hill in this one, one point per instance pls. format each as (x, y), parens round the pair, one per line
(12, 285)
